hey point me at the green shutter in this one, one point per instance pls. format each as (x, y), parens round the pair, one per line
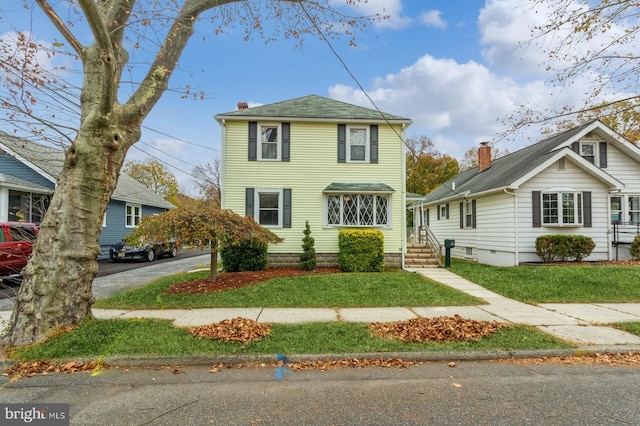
(249, 201)
(253, 141)
(286, 141)
(373, 143)
(286, 208)
(342, 143)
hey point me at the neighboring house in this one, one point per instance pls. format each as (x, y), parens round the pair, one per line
(585, 181)
(28, 175)
(314, 159)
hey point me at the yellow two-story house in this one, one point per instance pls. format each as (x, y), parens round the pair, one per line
(315, 159)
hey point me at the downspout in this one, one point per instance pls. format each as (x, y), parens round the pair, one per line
(403, 227)
(223, 162)
(516, 250)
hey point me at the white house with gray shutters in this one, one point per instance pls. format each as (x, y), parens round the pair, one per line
(585, 181)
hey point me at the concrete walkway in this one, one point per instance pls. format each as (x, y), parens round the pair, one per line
(580, 324)
(576, 323)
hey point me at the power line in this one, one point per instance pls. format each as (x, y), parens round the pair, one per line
(179, 139)
(346, 67)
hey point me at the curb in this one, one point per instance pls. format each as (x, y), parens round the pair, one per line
(208, 360)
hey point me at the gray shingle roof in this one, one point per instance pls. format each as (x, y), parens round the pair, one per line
(312, 107)
(50, 160)
(504, 170)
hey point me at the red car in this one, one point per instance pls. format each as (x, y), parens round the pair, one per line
(16, 244)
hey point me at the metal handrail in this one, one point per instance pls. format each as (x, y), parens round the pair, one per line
(427, 237)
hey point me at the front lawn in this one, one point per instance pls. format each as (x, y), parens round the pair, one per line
(344, 290)
(580, 283)
(160, 338)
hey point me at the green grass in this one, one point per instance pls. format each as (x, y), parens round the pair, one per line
(159, 337)
(582, 283)
(629, 327)
(343, 290)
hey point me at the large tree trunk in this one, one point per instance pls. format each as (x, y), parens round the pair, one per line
(56, 290)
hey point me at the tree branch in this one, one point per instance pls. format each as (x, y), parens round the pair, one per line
(103, 42)
(57, 22)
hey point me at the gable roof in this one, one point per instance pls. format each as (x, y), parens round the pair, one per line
(312, 107)
(516, 168)
(48, 162)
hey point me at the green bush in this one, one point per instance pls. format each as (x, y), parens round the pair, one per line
(308, 255)
(248, 255)
(361, 250)
(552, 248)
(635, 248)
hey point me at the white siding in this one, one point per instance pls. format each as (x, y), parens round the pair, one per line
(575, 178)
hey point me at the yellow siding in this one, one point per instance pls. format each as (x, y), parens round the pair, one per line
(312, 167)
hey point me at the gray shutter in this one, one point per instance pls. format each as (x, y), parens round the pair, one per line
(603, 155)
(249, 201)
(342, 143)
(576, 147)
(536, 209)
(461, 215)
(446, 208)
(373, 143)
(253, 141)
(286, 141)
(428, 217)
(286, 208)
(473, 213)
(438, 207)
(586, 209)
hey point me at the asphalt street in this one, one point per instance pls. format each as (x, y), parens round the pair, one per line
(471, 393)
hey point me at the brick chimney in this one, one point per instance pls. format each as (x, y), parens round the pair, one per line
(484, 156)
(243, 105)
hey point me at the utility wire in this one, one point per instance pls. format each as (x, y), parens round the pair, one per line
(346, 67)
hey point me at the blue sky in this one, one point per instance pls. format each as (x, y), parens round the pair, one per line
(455, 67)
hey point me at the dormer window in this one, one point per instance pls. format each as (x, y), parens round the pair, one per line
(589, 151)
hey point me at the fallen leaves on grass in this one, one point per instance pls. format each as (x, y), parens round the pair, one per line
(439, 329)
(33, 368)
(242, 330)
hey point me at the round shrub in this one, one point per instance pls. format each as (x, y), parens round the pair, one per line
(635, 248)
(247, 255)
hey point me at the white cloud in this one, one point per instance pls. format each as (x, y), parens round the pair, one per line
(391, 8)
(432, 18)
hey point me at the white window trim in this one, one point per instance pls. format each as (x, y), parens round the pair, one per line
(630, 211)
(133, 215)
(257, 193)
(367, 144)
(104, 220)
(278, 143)
(578, 209)
(596, 151)
(468, 213)
(388, 225)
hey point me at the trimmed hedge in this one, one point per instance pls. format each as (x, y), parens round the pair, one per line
(361, 250)
(552, 248)
(248, 255)
(308, 256)
(634, 249)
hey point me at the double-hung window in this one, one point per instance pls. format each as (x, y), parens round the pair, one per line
(372, 210)
(269, 142)
(634, 209)
(133, 213)
(468, 208)
(562, 208)
(269, 203)
(616, 209)
(588, 151)
(358, 141)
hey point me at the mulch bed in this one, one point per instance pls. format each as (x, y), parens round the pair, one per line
(231, 280)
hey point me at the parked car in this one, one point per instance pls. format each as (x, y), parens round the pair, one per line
(148, 251)
(16, 245)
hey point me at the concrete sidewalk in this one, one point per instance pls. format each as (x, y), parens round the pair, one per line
(580, 324)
